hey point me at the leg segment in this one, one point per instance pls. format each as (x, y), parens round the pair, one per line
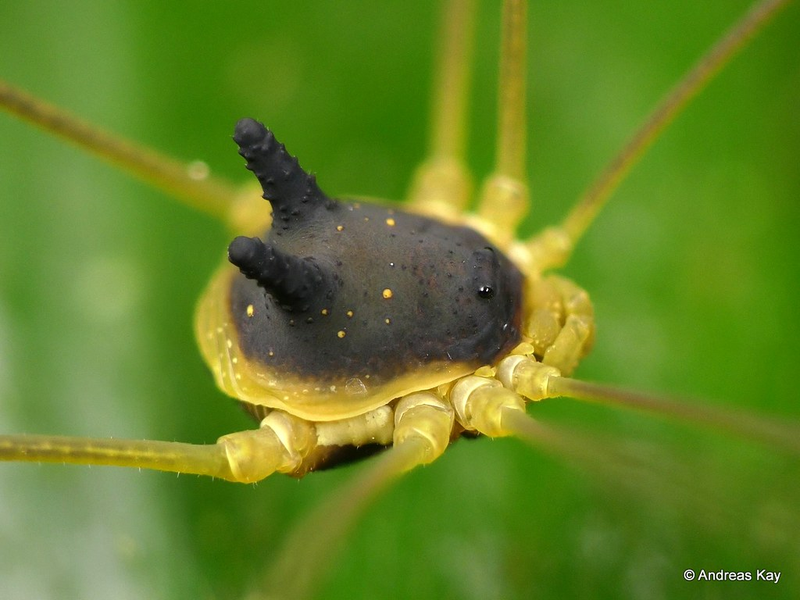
(280, 444)
(553, 247)
(504, 198)
(175, 457)
(283, 443)
(442, 186)
(481, 402)
(422, 427)
(246, 456)
(561, 326)
(191, 185)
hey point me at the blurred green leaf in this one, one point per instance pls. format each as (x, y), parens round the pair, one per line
(693, 270)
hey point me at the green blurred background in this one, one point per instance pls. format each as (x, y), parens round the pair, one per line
(692, 268)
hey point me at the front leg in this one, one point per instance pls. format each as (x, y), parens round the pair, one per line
(561, 326)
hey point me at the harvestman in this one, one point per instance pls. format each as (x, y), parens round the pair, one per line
(297, 279)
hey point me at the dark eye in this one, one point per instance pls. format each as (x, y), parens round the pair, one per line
(485, 268)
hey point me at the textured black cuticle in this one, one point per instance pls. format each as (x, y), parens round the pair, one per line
(382, 292)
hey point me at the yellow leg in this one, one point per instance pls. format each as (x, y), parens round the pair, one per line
(527, 377)
(442, 185)
(423, 423)
(553, 247)
(504, 199)
(175, 457)
(280, 444)
(561, 324)
(188, 182)
(536, 381)
(481, 402)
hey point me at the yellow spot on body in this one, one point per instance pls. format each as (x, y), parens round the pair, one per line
(339, 227)
(390, 222)
(341, 334)
(350, 313)
(238, 376)
(387, 320)
(271, 353)
(250, 310)
(324, 312)
(229, 343)
(387, 293)
(234, 360)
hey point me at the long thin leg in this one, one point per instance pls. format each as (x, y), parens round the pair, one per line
(442, 184)
(485, 405)
(553, 247)
(511, 105)
(497, 409)
(504, 198)
(648, 474)
(313, 546)
(422, 432)
(638, 468)
(537, 381)
(754, 427)
(280, 444)
(185, 181)
(175, 457)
